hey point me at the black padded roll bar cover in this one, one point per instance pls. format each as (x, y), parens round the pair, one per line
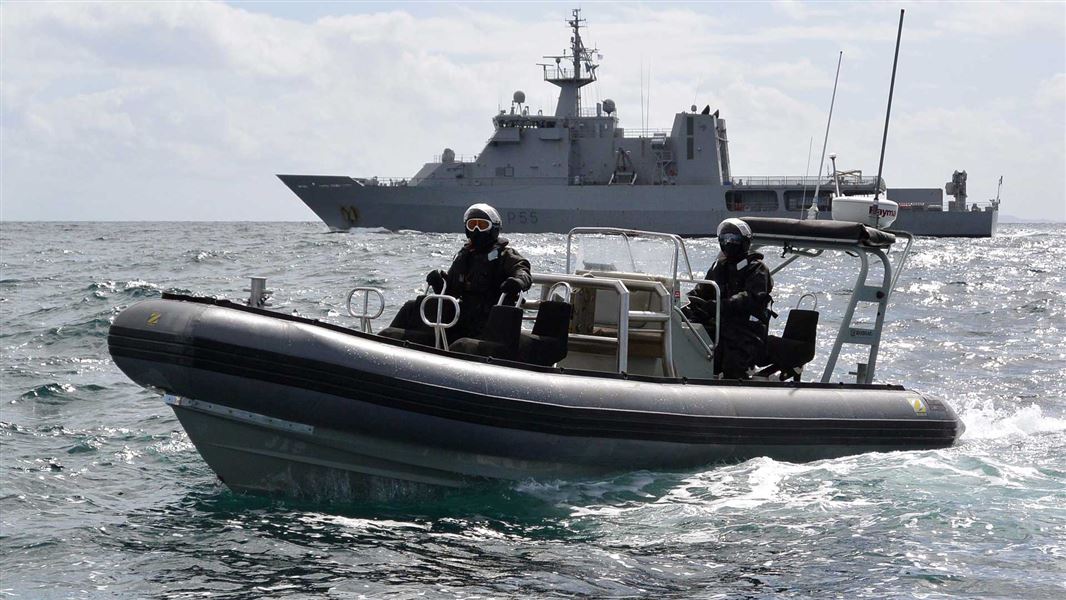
(845, 231)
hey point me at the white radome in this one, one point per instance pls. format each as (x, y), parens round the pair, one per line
(860, 209)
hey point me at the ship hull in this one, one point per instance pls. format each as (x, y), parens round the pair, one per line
(939, 223)
(688, 210)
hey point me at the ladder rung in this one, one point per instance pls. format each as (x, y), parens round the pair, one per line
(869, 293)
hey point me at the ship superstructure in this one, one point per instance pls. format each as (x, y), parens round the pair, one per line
(580, 167)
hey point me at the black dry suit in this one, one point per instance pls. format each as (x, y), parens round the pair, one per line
(475, 278)
(746, 285)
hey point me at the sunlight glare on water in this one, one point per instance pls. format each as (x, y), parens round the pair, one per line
(104, 496)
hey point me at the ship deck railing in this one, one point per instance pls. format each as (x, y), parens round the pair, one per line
(383, 181)
(972, 206)
(645, 133)
(779, 180)
(459, 158)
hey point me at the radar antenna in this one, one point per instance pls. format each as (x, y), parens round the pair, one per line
(579, 69)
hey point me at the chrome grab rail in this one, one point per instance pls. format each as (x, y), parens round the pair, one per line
(566, 287)
(365, 317)
(717, 315)
(546, 294)
(903, 258)
(606, 284)
(680, 252)
(808, 295)
(645, 316)
(440, 337)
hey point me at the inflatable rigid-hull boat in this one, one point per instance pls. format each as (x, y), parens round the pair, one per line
(281, 404)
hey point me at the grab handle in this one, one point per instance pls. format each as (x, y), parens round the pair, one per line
(440, 337)
(365, 317)
(808, 295)
(568, 291)
(429, 289)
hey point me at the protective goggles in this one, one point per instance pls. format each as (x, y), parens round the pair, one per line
(478, 224)
(730, 239)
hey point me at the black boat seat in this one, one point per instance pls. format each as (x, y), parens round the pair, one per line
(547, 344)
(794, 349)
(499, 338)
(407, 324)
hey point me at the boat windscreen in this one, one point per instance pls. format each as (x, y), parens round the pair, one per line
(656, 257)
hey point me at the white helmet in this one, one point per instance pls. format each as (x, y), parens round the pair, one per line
(734, 238)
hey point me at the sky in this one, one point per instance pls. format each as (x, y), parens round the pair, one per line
(185, 111)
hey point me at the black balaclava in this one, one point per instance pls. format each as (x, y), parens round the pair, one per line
(482, 240)
(734, 238)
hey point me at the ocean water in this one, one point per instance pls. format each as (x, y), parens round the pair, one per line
(103, 496)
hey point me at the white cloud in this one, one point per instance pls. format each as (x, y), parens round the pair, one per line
(998, 19)
(1051, 92)
(201, 102)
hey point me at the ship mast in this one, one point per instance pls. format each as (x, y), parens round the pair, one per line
(570, 78)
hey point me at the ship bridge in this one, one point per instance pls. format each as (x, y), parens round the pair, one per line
(585, 146)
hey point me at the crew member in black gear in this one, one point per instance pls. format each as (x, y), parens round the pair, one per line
(483, 269)
(745, 284)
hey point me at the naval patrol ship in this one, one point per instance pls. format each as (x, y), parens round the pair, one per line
(579, 168)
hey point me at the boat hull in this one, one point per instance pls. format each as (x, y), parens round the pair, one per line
(688, 210)
(277, 404)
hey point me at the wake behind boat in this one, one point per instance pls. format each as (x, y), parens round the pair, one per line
(612, 377)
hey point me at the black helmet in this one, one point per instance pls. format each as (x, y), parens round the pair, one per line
(482, 225)
(734, 237)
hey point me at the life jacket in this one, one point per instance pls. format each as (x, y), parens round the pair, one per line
(474, 278)
(732, 279)
(478, 273)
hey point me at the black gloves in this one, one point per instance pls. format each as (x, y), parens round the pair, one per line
(436, 279)
(511, 287)
(743, 304)
(699, 310)
(737, 303)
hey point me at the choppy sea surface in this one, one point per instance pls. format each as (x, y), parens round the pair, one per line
(102, 495)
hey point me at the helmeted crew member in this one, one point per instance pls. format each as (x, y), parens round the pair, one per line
(483, 269)
(745, 285)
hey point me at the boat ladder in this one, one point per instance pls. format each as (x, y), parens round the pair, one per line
(864, 335)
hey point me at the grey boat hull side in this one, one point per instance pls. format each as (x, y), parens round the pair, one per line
(941, 223)
(275, 403)
(687, 210)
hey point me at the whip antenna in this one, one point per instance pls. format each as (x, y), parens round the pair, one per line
(888, 113)
(806, 175)
(821, 161)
